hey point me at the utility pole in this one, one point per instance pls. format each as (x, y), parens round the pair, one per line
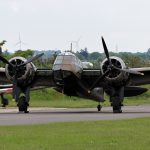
(71, 47)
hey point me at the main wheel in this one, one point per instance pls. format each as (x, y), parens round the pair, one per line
(116, 104)
(117, 109)
(99, 107)
(22, 104)
(4, 102)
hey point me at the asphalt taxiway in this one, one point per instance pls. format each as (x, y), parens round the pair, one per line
(10, 116)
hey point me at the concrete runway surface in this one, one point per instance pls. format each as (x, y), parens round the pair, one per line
(10, 116)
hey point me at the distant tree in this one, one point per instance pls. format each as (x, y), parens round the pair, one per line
(132, 60)
(84, 53)
(148, 52)
(6, 54)
(25, 54)
(80, 56)
(1, 44)
(94, 55)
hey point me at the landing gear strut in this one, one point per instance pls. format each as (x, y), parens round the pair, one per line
(116, 99)
(4, 101)
(22, 100)
(22, 104)
(99, 107)
(116, 104)
(117, 108)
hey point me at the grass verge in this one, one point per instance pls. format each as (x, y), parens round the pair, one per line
(50, 98)
(98, 135)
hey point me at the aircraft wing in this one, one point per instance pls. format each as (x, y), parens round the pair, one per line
(91, 75)
(43, 78)
(140, 79)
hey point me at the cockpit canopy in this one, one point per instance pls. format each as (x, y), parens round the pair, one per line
(67, 61)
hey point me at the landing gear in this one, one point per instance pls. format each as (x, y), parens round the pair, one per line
(99, 107)
(117, 109)
(116, 104)
(116, 98)
(22, 104)
(22, 98)
(4, 101)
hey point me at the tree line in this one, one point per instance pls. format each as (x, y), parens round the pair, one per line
(131, 59)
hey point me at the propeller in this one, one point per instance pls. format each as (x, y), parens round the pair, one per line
(15, 68)
(110, 67)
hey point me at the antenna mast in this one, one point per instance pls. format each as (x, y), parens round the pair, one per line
(71, 47)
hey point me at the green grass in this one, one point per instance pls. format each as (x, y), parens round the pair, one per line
(51, 98)
(140, 99)
(96, 135)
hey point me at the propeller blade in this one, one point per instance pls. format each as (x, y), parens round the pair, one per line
(32, 59)
(129, 71)
(5, 60)
(89, 93)
(98, 80)
(132, 71)
(82, 85)
(106, 50)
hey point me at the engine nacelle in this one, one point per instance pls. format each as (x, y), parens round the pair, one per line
(115, 76)
(25, 73)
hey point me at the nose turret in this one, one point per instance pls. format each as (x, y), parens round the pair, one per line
(67, 62)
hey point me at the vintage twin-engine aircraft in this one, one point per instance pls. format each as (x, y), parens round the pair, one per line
(70, 77)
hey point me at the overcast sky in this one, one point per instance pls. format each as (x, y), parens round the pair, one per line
(52, 24)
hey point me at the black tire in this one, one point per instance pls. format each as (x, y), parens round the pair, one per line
(116, 106)
(99, 107)
(117, 109)
(22, 104)
(4, 102)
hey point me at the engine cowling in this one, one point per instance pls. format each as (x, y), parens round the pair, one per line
(115, 75)
(25, 73)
